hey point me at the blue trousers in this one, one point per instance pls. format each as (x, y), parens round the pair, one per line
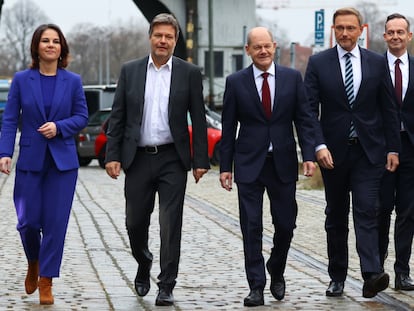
(43, 202)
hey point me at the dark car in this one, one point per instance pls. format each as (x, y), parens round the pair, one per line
(99, 97)
(85, 140)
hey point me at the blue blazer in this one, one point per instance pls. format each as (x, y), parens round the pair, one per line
(374, 112)
(69, 112)
(242, 105)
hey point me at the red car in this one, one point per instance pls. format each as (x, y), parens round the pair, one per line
(213, 137)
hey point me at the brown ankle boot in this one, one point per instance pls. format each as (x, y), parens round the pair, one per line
(45, 291)
(32, 277)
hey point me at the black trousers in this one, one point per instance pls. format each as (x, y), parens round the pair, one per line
(356, 176)
(397, 190)
(149, 174)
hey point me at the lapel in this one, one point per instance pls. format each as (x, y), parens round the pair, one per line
(279, 86)
(249, 84)
(60, 90)
(365, 68)
(175, 80)
(141, 75)
(60, 86)
(410, 87)
(34, 78)
(333, 66)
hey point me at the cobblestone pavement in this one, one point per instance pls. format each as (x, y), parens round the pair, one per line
(98, 269)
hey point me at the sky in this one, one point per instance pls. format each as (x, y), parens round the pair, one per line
(298, 19)
(295, 17)
(67, 14)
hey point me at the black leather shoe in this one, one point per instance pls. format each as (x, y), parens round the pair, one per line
(142, 279)
(164, 297)
(403, 282)
(254, 299)
(335, 289)
(374, 284)
(277, 287)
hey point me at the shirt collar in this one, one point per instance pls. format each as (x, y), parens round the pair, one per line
(168, 64)
(392, 58)
(354, 52)
(257, 72)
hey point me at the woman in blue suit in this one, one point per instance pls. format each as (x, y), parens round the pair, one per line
(50, 105)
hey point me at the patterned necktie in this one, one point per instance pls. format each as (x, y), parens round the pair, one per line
(349, 88)
(398, 81)
(266, 100)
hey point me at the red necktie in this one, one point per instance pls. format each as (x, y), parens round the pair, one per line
(398, 81)
(266, 101)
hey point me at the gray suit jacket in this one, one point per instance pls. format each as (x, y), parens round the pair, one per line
(185, 96)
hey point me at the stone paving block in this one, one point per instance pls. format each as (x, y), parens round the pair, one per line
(98, 270)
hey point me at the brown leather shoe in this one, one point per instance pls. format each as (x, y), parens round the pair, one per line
(45, 291)
(32, 277)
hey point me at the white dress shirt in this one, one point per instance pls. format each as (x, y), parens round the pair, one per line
(155, 128)
(271, 80)
(404, 73)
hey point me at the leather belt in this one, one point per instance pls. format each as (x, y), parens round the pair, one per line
(155, 149)
(353, 141)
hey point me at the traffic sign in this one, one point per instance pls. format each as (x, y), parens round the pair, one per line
(320, 27)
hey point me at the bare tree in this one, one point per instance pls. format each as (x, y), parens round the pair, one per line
(19, 23)
(98, 53)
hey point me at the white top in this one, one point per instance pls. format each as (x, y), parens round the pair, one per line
(155, 128)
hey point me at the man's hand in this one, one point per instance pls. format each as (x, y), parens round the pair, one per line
(308, 168)
(198, 173)
(113, 169)
(226, 180)
(392, 162)
(324, 158)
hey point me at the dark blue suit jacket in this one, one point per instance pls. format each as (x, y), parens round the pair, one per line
(242, 105)
(407, 108)
(69, 112)
(374, 112)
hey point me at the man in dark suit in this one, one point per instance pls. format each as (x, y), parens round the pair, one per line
(397, 187)
(264, 156)
(148, 136)
(358, 136)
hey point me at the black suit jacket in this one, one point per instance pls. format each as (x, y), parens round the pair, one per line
(185, 96)
(374, 112)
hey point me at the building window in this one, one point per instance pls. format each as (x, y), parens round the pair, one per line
(236, 62)
(218, 63)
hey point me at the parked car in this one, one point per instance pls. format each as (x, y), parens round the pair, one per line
(100, 145)
(213, 137)
(99, 97)
(4, 91)
(85, 139)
